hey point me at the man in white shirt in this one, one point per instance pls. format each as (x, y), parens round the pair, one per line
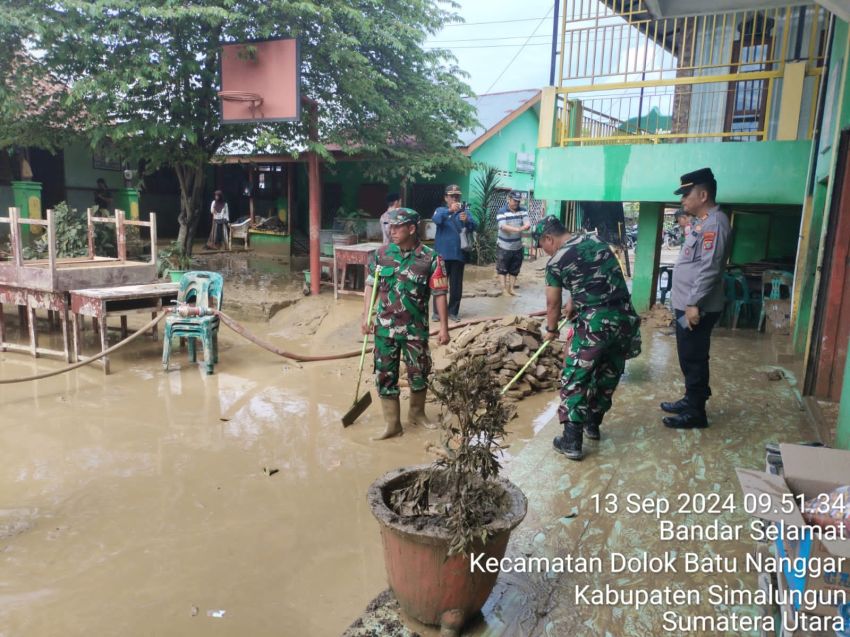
(393, 202)
(512, 220)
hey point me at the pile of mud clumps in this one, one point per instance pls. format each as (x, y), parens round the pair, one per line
(660, 316)
(506, 345)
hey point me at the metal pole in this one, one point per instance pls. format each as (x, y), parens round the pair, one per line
(554, 44)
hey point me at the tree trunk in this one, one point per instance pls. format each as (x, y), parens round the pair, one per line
(191, 179)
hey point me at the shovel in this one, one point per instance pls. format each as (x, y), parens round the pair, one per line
(530, 361)
(361, 404)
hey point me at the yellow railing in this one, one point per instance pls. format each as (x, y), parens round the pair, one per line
(628, 78)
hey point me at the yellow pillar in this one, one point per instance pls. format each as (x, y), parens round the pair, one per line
(548, 115)
(790, 101)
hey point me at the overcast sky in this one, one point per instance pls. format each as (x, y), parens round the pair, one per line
(510, 25)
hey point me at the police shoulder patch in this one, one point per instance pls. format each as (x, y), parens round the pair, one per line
(708, 240)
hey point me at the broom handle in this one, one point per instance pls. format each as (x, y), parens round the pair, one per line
(531, 360)
(366, 336)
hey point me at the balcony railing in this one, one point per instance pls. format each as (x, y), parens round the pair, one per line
(628, 78)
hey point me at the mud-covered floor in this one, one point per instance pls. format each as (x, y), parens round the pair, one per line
(152, 503)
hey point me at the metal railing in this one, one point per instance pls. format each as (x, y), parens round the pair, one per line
(625, 76)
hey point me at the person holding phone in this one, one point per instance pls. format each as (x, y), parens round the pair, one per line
(451, 220)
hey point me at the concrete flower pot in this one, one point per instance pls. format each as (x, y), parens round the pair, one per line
(430, 586)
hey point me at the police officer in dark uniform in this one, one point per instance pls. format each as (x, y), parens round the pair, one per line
(697, 295)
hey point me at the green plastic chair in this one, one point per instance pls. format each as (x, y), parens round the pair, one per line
(201, 289)
(738, 299)
(776, 280)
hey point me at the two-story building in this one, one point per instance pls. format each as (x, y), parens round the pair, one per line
(647, 90)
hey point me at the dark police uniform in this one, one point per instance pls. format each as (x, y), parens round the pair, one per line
(698, 281)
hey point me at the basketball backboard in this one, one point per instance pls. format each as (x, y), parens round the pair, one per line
(260, 82)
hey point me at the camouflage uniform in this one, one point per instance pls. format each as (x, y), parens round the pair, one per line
(607, 329)
(407, 281)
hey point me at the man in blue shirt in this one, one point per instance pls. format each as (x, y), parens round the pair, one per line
(450, 220)
(512, 220)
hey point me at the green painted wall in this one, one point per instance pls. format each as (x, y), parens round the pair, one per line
(806, 279)
(784, 234)
(751, 232)
(842, 436)
(824, 170)
(81, 177)
(350, 175)
(764, 235)
(520, 136)
(453, 177)
(747, 172)
(650, 221)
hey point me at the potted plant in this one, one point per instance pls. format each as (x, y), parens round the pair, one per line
(174, 261)
(433, 518)
(351, 225)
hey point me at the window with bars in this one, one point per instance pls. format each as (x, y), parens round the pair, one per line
(747, 101)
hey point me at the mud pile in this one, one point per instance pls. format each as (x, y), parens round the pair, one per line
(506, 346)
(659, 316)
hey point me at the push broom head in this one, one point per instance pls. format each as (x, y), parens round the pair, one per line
(361, 405)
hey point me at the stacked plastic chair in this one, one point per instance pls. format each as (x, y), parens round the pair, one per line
(737, 297)
(777, 280)
(205, 290)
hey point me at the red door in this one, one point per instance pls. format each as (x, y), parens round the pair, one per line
(832, 331)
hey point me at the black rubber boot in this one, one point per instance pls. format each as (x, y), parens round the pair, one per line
(591, 427)
(570, 443)
(690, 419)
(677, 407)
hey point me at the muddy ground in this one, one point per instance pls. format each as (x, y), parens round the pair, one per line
(153, 503)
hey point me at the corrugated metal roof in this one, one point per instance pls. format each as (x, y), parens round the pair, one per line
(492, 109)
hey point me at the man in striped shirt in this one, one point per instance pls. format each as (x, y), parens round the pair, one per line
(512, 221)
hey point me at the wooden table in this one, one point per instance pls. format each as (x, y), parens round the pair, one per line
(100, 303)
(344, 256)
(28, 301)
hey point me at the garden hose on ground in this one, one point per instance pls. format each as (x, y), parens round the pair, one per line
(236, 327)
(88, 361)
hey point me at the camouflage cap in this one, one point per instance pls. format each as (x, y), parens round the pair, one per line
(547, 225)
(402, 216)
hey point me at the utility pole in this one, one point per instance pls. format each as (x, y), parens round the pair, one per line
(554, 44)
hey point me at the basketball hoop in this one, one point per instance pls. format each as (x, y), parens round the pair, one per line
(255, 99)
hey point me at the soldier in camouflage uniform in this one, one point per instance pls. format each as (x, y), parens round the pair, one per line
(408, 273)
(607, 329)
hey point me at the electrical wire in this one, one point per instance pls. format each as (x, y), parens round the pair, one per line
(505, 21)
(490, 46)
(490, 39)
(513, 59)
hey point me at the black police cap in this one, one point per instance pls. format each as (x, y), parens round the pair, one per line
(695, 178)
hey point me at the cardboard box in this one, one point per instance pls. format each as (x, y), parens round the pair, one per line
(777, 316)
(809, 471)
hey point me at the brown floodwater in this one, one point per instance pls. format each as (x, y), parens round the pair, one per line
(154, 503)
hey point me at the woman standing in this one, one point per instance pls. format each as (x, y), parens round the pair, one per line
(220, 220)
